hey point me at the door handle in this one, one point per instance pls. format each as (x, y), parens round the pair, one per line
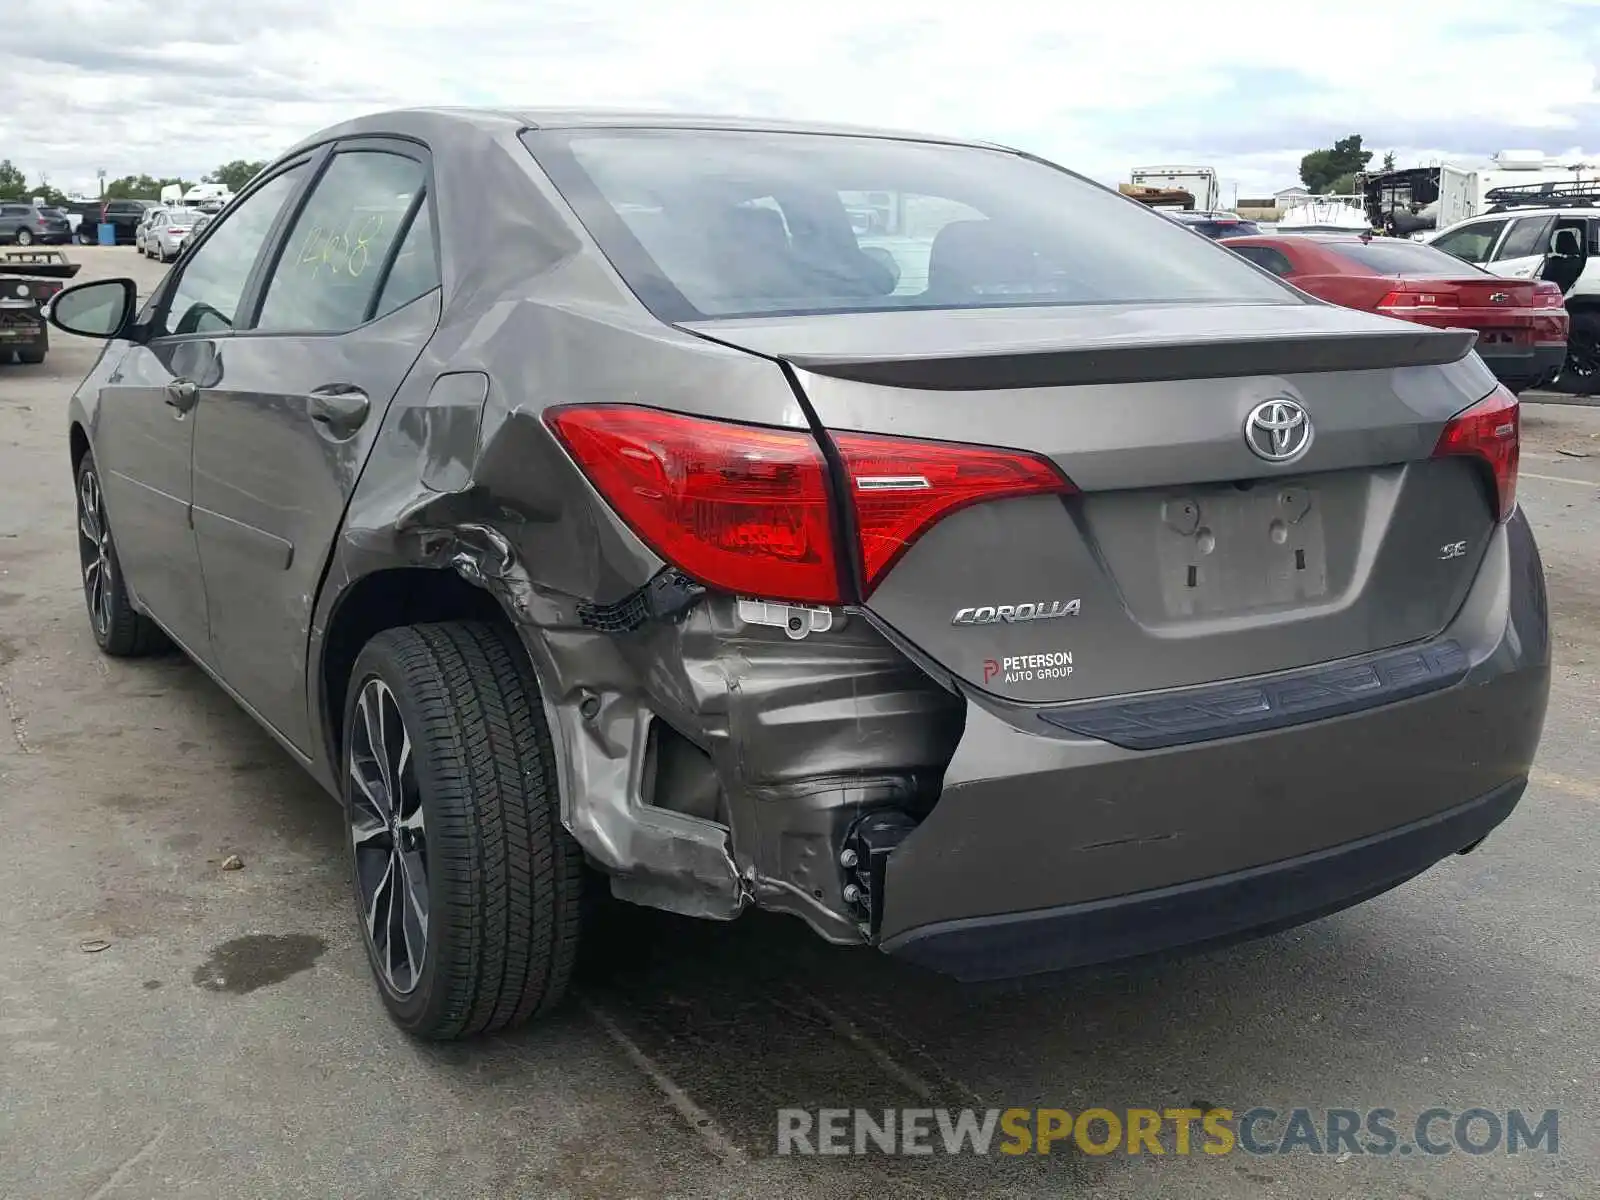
(182, 394)
(339, 407)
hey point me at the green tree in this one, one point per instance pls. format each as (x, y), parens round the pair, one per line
(1322, 169)
(236, 174)
(142, 187)
(13, 183)
(1388, 161)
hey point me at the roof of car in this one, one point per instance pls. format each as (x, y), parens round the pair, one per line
(488, 119)
(1509, 211)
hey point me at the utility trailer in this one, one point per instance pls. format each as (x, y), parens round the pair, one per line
(29, 278)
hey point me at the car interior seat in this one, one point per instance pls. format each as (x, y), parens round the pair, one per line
(975, 258)
(1566, 259)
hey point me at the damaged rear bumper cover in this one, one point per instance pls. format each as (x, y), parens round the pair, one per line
(716, 755)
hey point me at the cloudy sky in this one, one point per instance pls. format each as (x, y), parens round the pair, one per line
(180, 86)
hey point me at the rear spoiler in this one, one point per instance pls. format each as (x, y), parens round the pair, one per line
(1143, 362)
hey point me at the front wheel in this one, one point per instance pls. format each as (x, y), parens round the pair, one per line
(467, 887)
(119, 630)
(24, 237)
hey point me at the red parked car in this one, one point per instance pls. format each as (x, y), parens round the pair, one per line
(1522, 323)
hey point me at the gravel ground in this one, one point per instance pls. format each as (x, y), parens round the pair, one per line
(225, 1040)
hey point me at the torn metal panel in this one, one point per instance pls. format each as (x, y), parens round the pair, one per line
(799, 736)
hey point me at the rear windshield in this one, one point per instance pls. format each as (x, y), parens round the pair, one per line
(705, 224)
(1222, 229)
(1397, 256)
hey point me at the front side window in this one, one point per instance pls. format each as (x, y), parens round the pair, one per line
(207, 295)
(333, 259)
(715, 224)
(1470, 243)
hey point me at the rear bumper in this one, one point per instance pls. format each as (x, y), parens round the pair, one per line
(1050, 848)
(1207, 912)
(1524, 368)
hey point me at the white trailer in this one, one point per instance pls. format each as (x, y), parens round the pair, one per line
(1199, 182)
(1462, 189)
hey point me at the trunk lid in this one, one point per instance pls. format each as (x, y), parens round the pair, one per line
(1186, 557)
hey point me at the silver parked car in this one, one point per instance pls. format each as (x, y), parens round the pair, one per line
(166, 231)
(145, 224)
(584, 506)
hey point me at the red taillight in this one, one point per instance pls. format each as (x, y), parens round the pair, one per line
(901, 488)
(748, 509)
(1490, 431)
(737, 507)
(1547, 295)
(176, 229)
(1403, 301)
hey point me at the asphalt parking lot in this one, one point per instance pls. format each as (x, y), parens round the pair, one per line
(171, 1029)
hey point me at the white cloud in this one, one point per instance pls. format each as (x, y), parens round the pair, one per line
(179, 86)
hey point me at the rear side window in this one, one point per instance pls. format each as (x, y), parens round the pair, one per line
(416, 269)
(712, 224)
(333, 259)
(1398, 256)
(1265, 256)
(1528, 236)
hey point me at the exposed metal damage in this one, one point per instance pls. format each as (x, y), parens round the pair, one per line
(716, 751)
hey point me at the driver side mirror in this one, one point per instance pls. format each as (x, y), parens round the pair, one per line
(102, 309)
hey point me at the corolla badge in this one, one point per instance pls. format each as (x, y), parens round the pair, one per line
(994, 614)
(1278, 430)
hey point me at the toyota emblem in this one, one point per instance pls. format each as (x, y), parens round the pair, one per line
(1278, 430)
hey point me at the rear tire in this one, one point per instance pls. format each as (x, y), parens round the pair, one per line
(486, 934)
(1580, 374)
(31, 358)
(118, 629)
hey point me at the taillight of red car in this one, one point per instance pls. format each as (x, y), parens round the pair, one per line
(1551, 324)
(749, 509)
(1413, 300)
(1489, 431)
(1548, 295)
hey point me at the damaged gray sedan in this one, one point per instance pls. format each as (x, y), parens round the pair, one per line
(903, 534)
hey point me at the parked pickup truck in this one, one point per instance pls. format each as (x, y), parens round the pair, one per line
(28, 278)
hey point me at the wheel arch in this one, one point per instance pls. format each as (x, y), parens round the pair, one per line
(77, 444)
(385, 599)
